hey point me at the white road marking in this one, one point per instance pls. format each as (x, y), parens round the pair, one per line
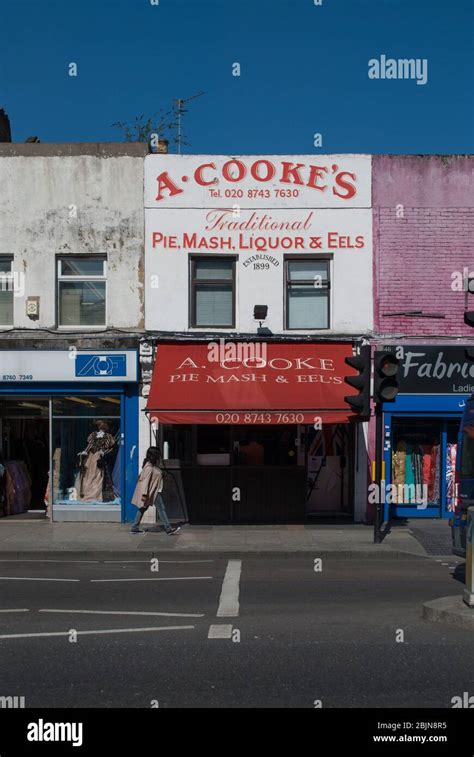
(91, 633)
(176, 578)
(220, 631)
(229, 599)
(177, 562)
(119, 612)
(27, 560)
(22, 610)
(18, 578)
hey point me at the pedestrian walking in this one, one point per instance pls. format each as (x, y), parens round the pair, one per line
(148, 492)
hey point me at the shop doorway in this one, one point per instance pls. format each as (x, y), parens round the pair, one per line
(329, 461)
(24, 433)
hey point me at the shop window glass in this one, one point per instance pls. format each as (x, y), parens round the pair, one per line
(178, 443)
(307, 294)
(212, 291)
(6, 291)
(82, 291)
(213, 445)
(416, 463)
(265, 445)
(86, 466)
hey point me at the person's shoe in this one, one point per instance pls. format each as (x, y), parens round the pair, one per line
(137, 531)
(173, 530)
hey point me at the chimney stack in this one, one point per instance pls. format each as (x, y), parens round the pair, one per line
(162, 146)
(5, 131)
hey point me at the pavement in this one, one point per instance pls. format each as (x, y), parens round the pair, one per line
(451, 610)
(32, 534)
(214, 631)
(434, 535)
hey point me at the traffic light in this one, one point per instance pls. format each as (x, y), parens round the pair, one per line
(386, 365)
(360, 403)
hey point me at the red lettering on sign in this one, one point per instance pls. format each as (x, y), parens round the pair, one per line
(164, 182)
(198, 175)
(291, 170)
(240, 167)
(315, 173)
(268, 165)
(347, 185)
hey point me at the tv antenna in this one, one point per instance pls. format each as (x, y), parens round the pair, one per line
(180, 112)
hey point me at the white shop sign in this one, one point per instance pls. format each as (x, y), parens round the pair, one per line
(26, 366)
(253, 181)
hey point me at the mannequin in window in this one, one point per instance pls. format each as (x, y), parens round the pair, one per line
(94, 481)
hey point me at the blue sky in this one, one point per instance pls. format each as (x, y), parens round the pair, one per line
(304, 70)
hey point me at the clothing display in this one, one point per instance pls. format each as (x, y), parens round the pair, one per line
(94, 480)
(426, 463)
(17, 487)
(433, 485)
(399, 461)
(415, 472)
(451, 451)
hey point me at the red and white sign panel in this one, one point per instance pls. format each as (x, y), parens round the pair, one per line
(276, 232)
(291, 383)
(250, 181)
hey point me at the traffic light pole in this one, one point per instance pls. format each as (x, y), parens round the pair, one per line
(378, 472)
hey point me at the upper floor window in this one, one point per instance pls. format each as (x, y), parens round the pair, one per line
(212, 291)
(307, 293)
(6, 290)
(82, 289)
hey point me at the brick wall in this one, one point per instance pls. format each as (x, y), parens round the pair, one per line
(423, 233)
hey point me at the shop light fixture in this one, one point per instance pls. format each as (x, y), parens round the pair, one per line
(32, 404)
(260, 313)
(81, 401)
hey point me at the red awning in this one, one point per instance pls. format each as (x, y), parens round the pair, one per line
(250, 383)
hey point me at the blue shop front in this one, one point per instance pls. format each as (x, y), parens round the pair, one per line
(69, 433)
(421, 430)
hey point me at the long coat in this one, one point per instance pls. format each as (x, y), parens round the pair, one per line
(149, 484)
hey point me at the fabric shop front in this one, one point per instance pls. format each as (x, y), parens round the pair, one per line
(421, 430)
(259, 439)
(69, 433)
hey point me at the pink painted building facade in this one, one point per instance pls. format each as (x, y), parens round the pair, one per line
(423, 231)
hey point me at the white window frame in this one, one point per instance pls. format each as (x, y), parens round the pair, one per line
(78, 279)
(10, 277)
(328, 286)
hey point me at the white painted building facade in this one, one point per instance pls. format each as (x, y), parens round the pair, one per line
(71, 315)
(291, 233)
(261, 223)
